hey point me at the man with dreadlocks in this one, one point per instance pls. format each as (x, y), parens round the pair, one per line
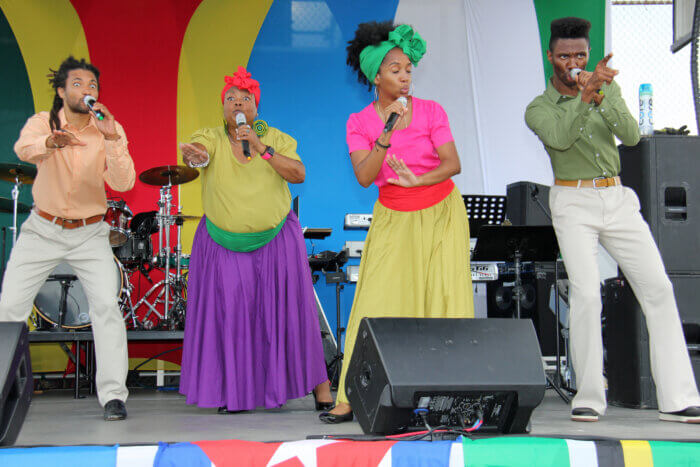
(577, 119)
(75, 154)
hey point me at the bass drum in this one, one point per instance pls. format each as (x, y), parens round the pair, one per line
(76, 316)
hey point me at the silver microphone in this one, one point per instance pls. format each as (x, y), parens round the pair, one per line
(240, 121)
(89, 102)
(574, 73)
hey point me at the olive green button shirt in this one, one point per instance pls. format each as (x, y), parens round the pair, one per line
(580, 137)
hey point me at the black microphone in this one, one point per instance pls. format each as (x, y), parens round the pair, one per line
(89, 102)
(394, 116)
(240, 121)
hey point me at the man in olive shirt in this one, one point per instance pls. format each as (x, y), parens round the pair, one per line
(577, 119)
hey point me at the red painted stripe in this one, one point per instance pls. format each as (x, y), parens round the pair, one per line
(136, 45)
(234, 453)
(353, 453)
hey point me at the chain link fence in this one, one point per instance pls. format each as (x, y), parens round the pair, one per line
(642, 33)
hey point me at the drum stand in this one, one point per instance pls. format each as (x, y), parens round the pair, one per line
(66, 281)
(172, 286)
(164, 205)
(15, 199)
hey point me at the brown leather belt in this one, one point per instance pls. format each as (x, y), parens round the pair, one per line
(600, 182)
(69, 223)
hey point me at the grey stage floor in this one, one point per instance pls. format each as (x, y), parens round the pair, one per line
(55, 418)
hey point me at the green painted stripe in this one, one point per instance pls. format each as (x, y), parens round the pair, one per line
(16, 106)
(592, 10)
(16, 102)
(674, 454)
(515, 452)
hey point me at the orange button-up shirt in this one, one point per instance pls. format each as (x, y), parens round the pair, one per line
(70, 180)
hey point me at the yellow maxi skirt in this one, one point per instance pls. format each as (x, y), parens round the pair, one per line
(414, 265)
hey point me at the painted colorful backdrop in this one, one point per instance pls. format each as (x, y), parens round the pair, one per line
(163, 61)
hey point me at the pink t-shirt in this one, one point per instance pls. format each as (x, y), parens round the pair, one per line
(416, 144)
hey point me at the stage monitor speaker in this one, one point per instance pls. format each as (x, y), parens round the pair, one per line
(535, 305)
(665, 173)
(16, 380)
(626, 340)
(459, 370)
(528, 204)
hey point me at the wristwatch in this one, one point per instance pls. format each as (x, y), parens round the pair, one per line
(269, 152)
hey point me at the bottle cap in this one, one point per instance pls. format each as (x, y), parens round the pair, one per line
(645, 88)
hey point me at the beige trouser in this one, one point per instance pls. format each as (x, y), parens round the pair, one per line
(40, 247)
(582, 217)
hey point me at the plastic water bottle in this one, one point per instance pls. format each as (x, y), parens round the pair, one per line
(646, 108)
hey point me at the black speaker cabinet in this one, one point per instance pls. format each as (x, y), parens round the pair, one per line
(665, 173)
(535, 305)
(15, 380)
(626, 340)
(454, 371)
(685, 289)
(528, 204)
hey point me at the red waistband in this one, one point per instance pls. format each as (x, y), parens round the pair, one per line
(415, 198)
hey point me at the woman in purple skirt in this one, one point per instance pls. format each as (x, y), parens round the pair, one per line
(252, 337)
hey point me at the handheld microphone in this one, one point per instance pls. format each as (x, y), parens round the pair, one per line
(240, 121)
(574, 73)
(394, 116)
(89, 102)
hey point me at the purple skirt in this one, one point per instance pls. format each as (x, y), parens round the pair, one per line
(252, 336)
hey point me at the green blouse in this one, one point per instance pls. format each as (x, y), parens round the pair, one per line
(244, 197)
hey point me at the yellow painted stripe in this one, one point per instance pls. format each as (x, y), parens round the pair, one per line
(219, 37)
(47, 31)
(637, 453)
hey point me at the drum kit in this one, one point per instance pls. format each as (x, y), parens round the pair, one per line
(61, 302)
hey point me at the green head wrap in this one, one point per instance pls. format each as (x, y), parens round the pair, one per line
(403, 37)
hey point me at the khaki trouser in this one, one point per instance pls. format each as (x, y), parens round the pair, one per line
(582, 217)
(40, 247)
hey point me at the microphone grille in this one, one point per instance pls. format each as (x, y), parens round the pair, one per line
(403, 101)
(240, 119)
(89, 100)
(574, 72)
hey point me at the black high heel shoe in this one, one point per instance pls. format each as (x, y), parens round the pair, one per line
(322, 405)
(327, 417)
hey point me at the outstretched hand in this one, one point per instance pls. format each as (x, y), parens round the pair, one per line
(406, 177)
(62, 138)
(601, 75)
(191, 154)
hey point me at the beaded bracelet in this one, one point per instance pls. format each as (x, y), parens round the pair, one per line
(377, 143)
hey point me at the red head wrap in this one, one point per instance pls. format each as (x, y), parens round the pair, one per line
(242, 80)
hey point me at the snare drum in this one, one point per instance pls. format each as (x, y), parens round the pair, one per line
(118, 216)
(75, 316)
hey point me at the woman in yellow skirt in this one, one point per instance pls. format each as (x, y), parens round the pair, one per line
(416, 256)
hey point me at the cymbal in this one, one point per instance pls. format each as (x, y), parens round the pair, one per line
(7, 205)
(10, 170)
(168, 175)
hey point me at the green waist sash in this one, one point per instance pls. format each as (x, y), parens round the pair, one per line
(242, 242)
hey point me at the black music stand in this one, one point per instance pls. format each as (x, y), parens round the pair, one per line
(535, 243)
(484, 210)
